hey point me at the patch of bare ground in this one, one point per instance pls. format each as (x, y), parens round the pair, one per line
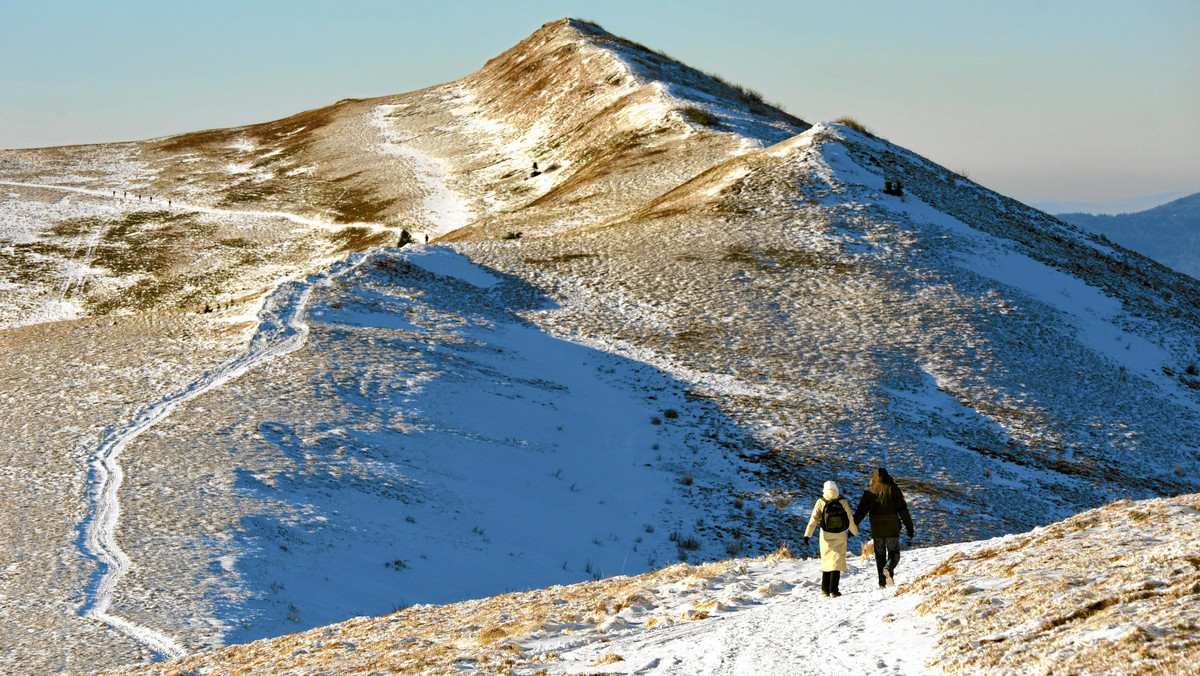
(1114, 590)
(323, 164)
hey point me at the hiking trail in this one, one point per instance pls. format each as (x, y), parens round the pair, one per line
(282, 329)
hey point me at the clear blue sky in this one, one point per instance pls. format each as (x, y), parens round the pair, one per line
(1039, 99)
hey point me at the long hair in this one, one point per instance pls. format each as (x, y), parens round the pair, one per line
(881, 485)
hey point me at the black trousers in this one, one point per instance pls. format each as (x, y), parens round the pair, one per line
(829, 581)
(887, 555)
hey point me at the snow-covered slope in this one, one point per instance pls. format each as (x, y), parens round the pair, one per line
(428, 445)
(1034, 603)
(233, 411)
(393, 433)
(744, 616)
(946, 333)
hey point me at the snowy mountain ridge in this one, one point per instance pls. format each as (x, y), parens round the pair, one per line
(655, 316)
(926, 274)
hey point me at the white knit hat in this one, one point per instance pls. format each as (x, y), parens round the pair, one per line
(831, 489)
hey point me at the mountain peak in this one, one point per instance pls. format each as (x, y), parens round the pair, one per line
(701, 99)
(708, 99)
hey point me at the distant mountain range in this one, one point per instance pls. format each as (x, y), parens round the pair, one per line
(1170, 234)
(1124, 205)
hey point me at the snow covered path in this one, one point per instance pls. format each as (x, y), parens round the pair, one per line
(443, 206)
(763, 618)
(282, 329)
(742, 616)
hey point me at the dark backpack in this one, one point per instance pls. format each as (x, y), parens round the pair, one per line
(834, 518)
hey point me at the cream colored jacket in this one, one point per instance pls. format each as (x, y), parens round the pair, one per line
(833, 545)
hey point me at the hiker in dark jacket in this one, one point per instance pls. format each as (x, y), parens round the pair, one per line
(883, 503)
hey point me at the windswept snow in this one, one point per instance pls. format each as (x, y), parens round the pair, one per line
(1098, 318)
(423, 444)
(488, 456)
(757, 617)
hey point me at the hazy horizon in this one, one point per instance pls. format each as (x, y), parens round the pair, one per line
(1046, 102)
(1126, 205)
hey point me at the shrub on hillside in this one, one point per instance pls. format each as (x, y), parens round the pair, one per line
(699, 116)
(855, 125)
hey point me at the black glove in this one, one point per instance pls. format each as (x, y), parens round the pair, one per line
(806, 539)
(910, 538)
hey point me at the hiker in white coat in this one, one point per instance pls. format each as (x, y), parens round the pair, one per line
(833, 515)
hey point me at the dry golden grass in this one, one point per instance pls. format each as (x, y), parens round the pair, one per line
(636, 599)
(1115, 590)
(781, 554)
(492, 634)
(609, 658)
(854, 124)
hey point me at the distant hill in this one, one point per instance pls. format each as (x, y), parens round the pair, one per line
(1123, 205)
(1170, 234)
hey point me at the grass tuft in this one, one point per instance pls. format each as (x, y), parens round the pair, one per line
(700, 116)
(855, 125)
(609, 658)
(783, 553)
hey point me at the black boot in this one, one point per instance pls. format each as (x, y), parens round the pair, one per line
(835, 577)
(825, 583)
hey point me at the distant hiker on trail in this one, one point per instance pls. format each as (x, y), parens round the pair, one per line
(884, 503)
(832, 515)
